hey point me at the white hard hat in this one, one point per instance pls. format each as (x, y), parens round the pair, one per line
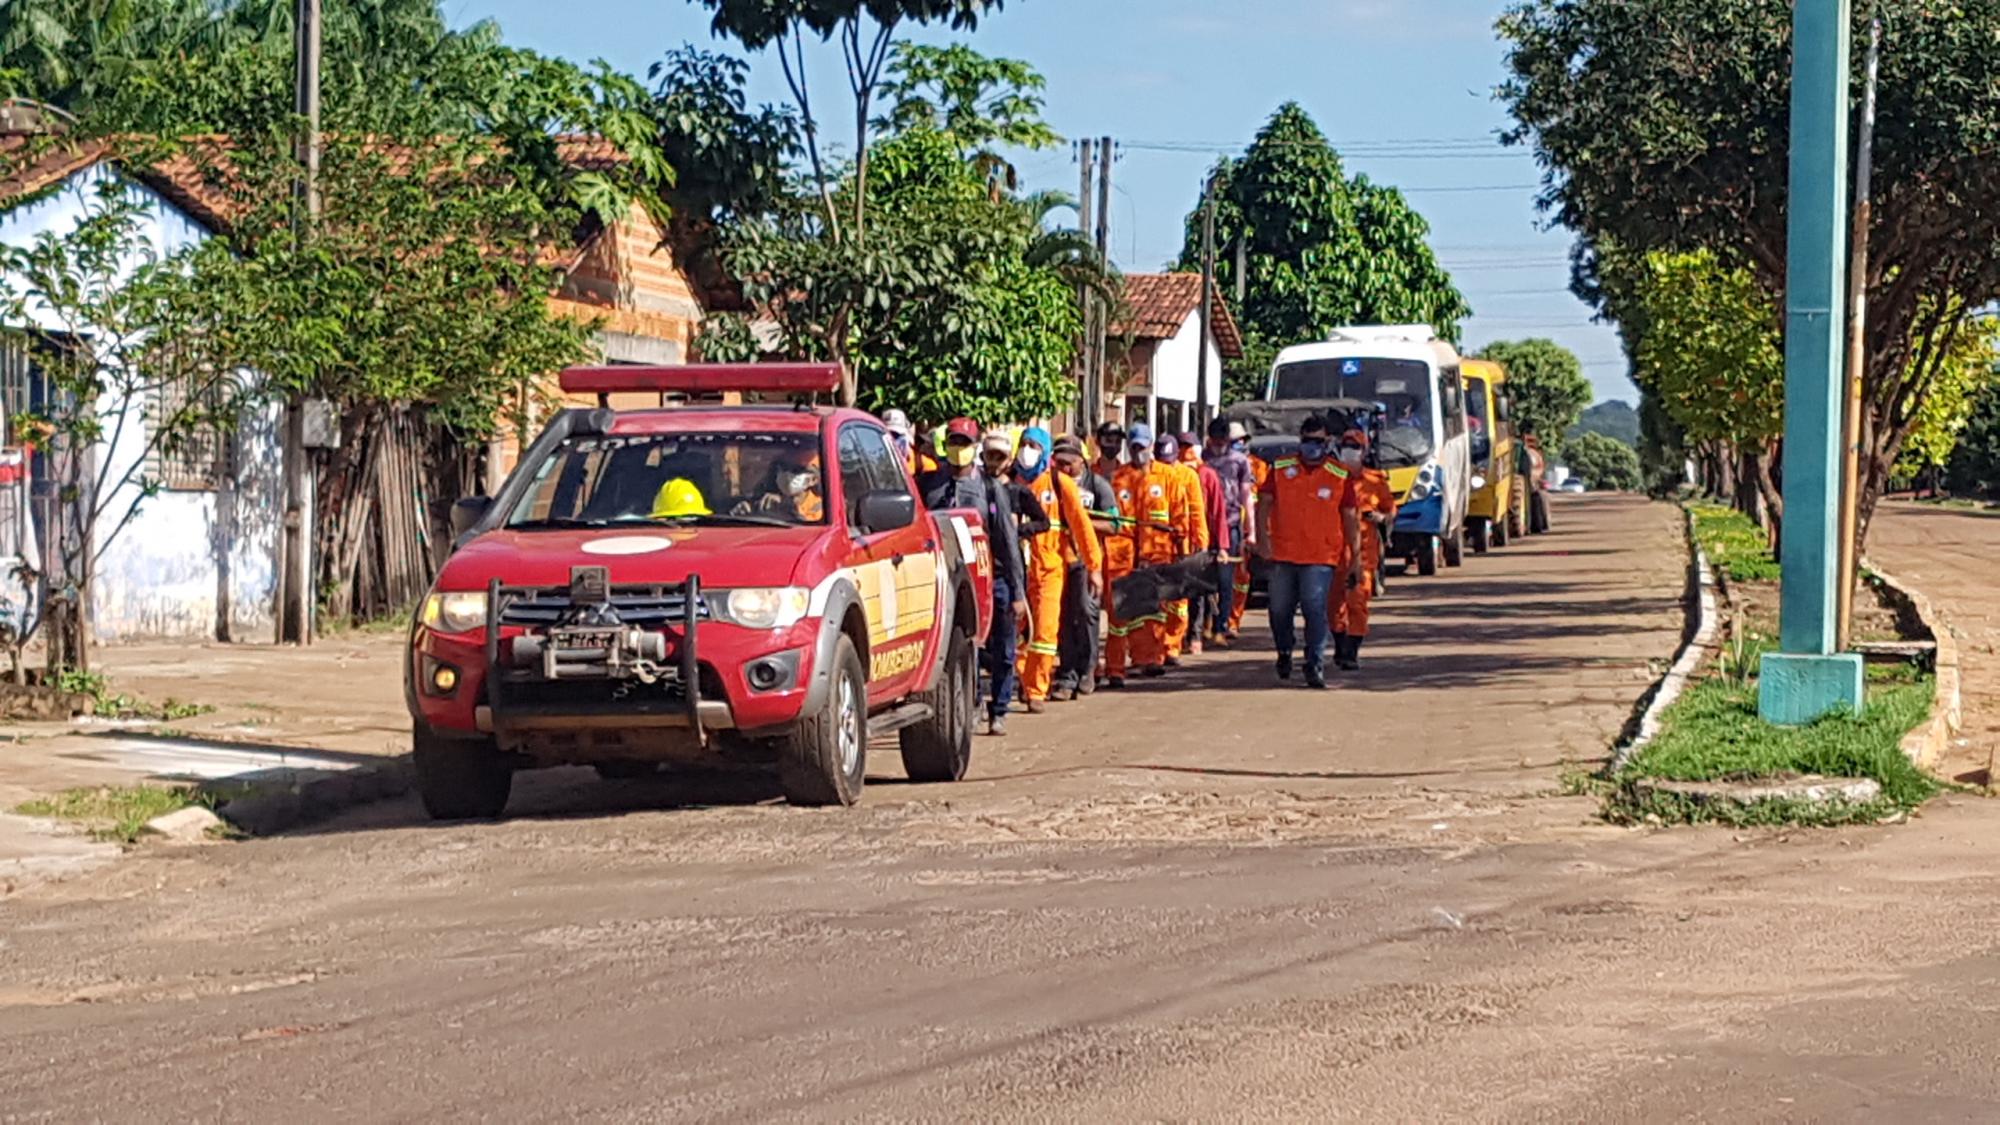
(897, 422)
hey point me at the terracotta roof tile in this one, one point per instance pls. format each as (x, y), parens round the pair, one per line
(1157, 304)
(32, 162)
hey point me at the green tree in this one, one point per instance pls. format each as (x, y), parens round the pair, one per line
(1547, 385)
(1320, 250)
(1606, 464)
(958, 303)
(1945, 413)
(866, 30)
(1975, 461)
(443, 305)
(1662, 125)
(978, 102)
(134, 364)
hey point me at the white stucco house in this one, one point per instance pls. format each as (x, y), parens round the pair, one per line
(196, 558)
(1157, 383)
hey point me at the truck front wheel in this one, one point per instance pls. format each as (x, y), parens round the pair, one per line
(460, 778)
(940, 747)
(824, 757)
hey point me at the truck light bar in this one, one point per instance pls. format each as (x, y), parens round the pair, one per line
(703, 378)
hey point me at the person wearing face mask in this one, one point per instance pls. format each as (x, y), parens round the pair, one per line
(1260, 471)
(793, 488)
(1236, 493)
(1150, 497)
(1376, 503)
(1083, 583)
(1306, 515)
(1069, 537)
(1189, 519)
(961, 483)
(915, 459)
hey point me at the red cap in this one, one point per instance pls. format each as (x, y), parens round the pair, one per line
(1355, 437)
(962, 427)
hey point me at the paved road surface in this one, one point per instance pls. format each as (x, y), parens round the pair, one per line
(1953, 556)
(1238, 904)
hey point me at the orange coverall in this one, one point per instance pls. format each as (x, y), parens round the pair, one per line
(1259, 472)
(1069, 537)
(1146, 497)
(1190, 518)
(1349, 608)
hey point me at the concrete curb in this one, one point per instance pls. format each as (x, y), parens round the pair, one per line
(1705, 616)
(1926, 745)
(272, 801)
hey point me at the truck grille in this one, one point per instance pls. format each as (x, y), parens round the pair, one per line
(651, 607)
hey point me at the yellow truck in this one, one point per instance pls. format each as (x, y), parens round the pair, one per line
(1493, 512)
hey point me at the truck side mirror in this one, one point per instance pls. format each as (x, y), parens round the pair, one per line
(466, 514)
(886, 509)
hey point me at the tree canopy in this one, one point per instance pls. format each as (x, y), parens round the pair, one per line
(1664, 125)
(1320, 249)
(1546, 382)
(1604, 463)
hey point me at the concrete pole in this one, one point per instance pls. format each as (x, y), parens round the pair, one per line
(294, 578)
(1808, 678)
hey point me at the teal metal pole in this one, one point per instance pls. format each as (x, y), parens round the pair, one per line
(1808, 679)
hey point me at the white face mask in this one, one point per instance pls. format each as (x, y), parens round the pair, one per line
(1350, 456)
(1028, 457)
(795, 484)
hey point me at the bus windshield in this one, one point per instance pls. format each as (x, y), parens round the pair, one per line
(1402, 386)
(1477, 422)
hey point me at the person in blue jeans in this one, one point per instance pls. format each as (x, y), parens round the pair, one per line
(1307, 513)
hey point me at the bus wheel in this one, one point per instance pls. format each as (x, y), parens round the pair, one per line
(1427, 556)
(1454, 548)
(1482, 531)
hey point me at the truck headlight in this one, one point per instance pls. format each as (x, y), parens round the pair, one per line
(459, 611)
(760, 607)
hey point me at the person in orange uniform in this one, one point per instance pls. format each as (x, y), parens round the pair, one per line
(1120, 549)
(1069, 538)
(1186, 515)
(919, 462)
(1377, 505)
(1147, 493)
(1306, 516)
(1260, 471)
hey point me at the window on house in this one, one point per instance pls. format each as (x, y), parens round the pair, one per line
(194, 456)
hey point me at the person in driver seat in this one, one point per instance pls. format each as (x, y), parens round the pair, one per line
(791, 489)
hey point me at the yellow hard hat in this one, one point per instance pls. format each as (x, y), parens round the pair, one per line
(679, 497)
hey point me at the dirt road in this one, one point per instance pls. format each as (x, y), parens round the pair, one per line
(1949, 554)
(1234, 904)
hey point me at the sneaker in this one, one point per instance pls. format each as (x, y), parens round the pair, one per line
(1315, 679)
(1194, 647)
(1115, 683)
(1284, 665)
(997, 725)
(1036, 707)
(1155, 671)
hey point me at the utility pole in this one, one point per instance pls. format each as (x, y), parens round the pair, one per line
(1207, 302)
(1857, 335)
(1089, 400)
(1809, 678)
(1106, 153)
(295, 555)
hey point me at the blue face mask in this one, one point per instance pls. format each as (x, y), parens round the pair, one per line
(1313, 450)
(1238, 446)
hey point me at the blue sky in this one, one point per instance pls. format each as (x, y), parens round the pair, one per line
(1387, 80)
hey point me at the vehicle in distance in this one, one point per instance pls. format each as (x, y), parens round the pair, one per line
(1574, 484)
(755, 586)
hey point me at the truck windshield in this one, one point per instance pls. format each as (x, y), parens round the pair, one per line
(1477, 422)
(607, 480)
(1401, 386)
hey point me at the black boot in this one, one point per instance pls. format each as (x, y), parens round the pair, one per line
(1350, 654)
(1284, 665)
(1340, 650)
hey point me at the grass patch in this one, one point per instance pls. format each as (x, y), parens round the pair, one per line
(108, 704)
(119, 813)
(1733, 543)
(1713, 733)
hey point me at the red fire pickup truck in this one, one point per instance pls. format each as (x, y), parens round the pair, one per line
(702, 586)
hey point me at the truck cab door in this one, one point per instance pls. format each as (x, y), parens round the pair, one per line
(895, 570)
